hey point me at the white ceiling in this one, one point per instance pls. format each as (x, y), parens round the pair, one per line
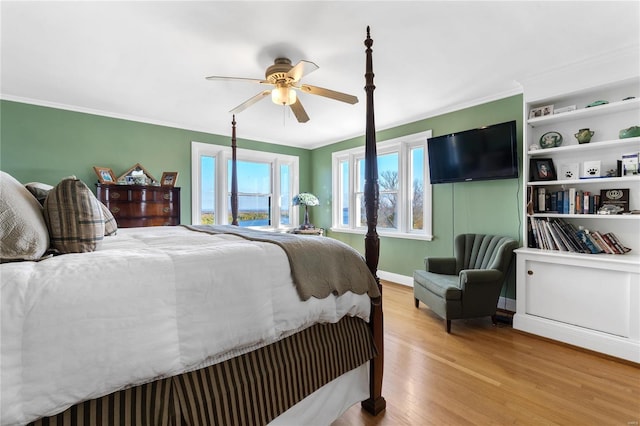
(147, 61)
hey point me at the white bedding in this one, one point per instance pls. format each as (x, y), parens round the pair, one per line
(150, 303)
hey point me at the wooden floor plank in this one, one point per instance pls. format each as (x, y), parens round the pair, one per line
(482, 374)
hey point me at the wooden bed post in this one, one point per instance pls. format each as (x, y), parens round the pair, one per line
(376, 403)
(234, 175)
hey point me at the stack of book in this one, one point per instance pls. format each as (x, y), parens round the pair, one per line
(556, 234)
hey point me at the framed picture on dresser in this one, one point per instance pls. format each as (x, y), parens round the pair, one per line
(138, 176)
(105, 175)
(169, 179)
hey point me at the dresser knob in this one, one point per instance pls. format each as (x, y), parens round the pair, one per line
(115, 209)
(166, 209)
(115, 195)
(166, 196)
(529, 272)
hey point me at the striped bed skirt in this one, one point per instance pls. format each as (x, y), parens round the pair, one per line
(250, 389)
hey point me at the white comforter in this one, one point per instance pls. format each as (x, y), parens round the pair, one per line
(150, 303)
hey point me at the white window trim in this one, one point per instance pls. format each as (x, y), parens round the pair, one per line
(403, 146)
(223, 154)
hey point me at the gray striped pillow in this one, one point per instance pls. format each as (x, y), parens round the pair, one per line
(74, 217)
(110, 224)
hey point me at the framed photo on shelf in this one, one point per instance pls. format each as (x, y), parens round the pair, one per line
(105, 175)
(542, 169)
(169, 179)
(541, 111)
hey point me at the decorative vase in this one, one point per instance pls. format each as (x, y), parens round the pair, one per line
(631, 132)
(584, 135)
(306, 224)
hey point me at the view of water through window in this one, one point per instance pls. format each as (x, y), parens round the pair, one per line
(255, 193)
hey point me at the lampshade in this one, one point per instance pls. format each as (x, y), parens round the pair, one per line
(306, 199)
(283, 95)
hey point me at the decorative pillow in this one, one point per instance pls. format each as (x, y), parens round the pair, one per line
(74, 217)
(39, 190)
(23, 231)
(110, 224)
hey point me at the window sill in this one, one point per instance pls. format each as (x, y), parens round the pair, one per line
(382, 233)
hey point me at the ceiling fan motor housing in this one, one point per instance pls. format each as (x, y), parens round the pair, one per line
(277, 73)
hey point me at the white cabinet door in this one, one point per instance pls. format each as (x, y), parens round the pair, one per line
(593, 298)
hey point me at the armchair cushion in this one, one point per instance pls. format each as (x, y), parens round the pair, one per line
(444, 286)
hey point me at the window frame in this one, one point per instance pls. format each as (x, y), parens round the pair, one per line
(403, 146)
(222, 155)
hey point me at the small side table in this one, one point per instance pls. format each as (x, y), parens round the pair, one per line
(316, 231)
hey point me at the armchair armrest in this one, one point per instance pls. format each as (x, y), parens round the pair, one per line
(479, 276)
(441, 265)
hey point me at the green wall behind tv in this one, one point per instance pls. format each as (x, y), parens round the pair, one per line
(46, 144)
(491, 207)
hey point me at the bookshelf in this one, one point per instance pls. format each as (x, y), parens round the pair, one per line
(587, 300)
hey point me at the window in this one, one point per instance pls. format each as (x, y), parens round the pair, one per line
(404, 208)
(266, 182)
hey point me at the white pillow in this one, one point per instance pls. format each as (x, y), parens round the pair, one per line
(23, 231)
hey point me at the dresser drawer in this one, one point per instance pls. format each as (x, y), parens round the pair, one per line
(148, 221)
(116, 194)
(140, 205)
(151, 194)
(157, 209)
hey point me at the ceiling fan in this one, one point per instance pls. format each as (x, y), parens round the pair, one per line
(285, 80)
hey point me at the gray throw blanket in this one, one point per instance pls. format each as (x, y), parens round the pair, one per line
(319, 265)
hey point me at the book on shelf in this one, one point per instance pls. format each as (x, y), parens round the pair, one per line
(616, 242)
(557, 234)
(542, 194)
(584, 236)
(585, 202)
(571, 233)
(572, 201)
(605, 247)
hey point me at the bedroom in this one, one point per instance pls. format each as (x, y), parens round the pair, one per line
(45, 139)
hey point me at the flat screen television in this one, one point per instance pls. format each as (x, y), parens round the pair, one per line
(486, 153)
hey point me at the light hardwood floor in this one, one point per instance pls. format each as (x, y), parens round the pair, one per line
(482, 374)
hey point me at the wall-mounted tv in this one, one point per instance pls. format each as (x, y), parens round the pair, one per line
(486, 153)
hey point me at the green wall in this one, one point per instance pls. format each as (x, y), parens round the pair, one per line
(492, 207)
(46, 144)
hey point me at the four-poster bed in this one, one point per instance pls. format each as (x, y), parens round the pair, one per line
(193, 356)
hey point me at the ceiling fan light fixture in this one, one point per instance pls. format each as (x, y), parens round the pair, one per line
(283, 95)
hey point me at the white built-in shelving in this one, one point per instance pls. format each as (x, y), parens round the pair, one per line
(587, 300)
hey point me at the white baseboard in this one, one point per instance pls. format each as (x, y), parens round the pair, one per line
(396, 278)
(503, 303)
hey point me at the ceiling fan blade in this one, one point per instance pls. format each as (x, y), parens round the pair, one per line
(246, 104)
(250, 80)
(338, 96)
(301, 69)
(299, 112)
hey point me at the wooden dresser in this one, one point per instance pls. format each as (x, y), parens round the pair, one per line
(141, 205)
